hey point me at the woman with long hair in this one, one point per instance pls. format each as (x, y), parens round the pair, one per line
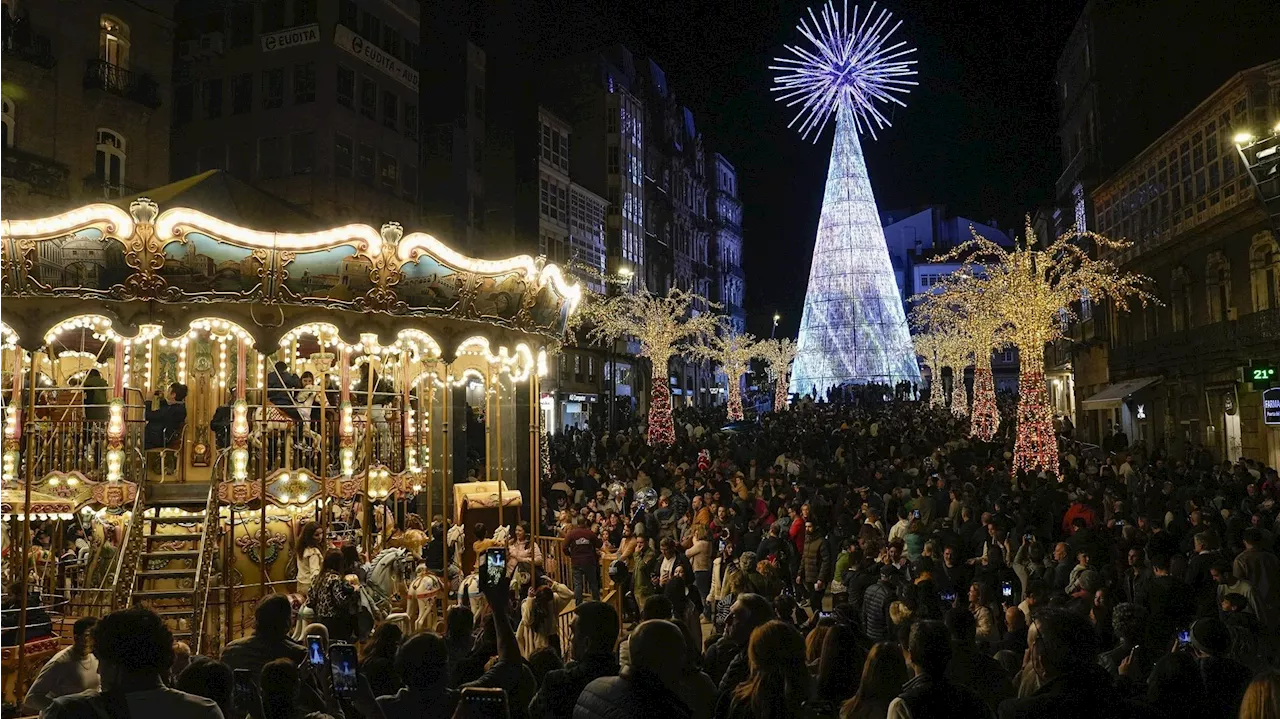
(1262, 698)
(522, 550)
(839, 661)
(778, 685)
(883, 675)
(333, 599)
(384, 642)
(980, 608)
(540, 615)
(310, 554)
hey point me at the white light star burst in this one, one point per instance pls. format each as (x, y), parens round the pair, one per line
(851, 65)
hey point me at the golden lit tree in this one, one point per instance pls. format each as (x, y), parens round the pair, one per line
(1036, 289)
(929, 347)
(963, 299)
(955, 354)
(778, 354)
(664, 326)
(734, 353)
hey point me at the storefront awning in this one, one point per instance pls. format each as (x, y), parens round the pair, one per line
(1113, 394)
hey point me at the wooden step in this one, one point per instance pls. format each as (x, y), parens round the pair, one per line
(139, 594)
(177, 519)
(172, 554)
(174, 537)
(165, 573)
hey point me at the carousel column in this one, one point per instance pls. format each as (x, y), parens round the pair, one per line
(262, 493)
(527, 460)
(366, 507)
(25, 539)
(493, 426)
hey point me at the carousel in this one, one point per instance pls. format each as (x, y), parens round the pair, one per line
(183, 395)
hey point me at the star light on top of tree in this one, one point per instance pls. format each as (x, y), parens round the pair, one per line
(849, 65)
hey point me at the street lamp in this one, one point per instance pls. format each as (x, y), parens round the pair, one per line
(774, 331)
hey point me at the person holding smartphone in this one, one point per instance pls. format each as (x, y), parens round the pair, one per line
(423, 661)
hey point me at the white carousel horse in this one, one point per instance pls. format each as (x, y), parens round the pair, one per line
(502, 533)
(389, 575)
(425, 589)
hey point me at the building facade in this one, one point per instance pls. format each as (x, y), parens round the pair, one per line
(728, 283)
(314, 102)
(86, 102)
(1203, 236)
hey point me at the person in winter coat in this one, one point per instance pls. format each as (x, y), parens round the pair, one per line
(816, 566)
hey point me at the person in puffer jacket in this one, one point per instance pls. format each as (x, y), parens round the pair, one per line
(647, 688)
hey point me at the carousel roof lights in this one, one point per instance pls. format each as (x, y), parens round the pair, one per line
(179, 221)
(116, 222)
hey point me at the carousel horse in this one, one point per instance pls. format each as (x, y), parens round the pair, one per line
(274, 421)
(389, 574)
(423, 593)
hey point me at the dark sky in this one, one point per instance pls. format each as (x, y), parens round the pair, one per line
(978, 134)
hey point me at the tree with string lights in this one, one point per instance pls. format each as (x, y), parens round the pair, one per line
(929, 345)
(665, 326)
(1036, 288)
(778, 354)
(955, 354)
(734, 353)
(965, 300)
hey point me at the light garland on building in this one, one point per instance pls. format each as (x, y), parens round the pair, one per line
(734, 352)
(778, 354)
(664, 325)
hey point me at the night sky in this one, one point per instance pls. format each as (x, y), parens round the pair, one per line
(978, 134)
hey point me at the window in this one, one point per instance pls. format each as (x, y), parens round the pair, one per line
(348, 14)
(477, 152)
(612, 160)
(346, 87)
(364, 164)
(409, 182)
(390, 109)
(184, 99)
(113, 42)
(304, 83)
(411, 121)
(270, 157)
(342, 156)
(368, 98)
(240, 25)
(242, 94)
(611, 123)
(302, 152)
(411, 53)
(6, 118)
(477, 103)
(109, 161)
(272, 15)
(211, 98)
(370, 28)
(304, 12)
(391, 41)
(272, 88)
(389, 172)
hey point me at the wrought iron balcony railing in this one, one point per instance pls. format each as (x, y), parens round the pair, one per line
(136, 86)
(29, 47)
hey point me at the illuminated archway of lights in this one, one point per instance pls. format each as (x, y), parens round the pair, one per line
(853, 329)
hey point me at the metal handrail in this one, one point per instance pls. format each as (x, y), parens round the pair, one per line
(130, 555)
(204, 562)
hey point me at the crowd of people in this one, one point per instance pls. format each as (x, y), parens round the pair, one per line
(860, 558)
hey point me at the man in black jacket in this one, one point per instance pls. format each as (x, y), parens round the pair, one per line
(1168, 600)
(595, 631)
(166, 419)
(726, 660)
(929, 693)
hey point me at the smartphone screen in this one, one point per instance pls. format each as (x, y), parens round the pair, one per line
(948, 597)
(1184, 637)
(243, 691)
(915, 514)
(343, 665)
(315, 650)
(1006, 589)
(495, 566)
(485, 703)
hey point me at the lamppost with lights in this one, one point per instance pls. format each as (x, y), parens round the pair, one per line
(774, 331)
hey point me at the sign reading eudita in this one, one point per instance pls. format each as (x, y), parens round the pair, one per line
(292, 37)
(1271, 406)
(346, 39)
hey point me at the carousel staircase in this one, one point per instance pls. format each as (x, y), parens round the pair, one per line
(171, 576)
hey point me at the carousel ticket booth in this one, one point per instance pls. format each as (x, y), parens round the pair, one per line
(196, 392)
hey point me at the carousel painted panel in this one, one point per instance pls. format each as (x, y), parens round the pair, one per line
(202, 267)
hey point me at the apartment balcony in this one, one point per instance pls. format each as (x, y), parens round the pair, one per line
(1220, 343)
(95, 187)
(28, 47)
(41, 175)
(138, 87)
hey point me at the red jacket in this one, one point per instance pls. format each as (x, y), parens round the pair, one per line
(1078, 510)
(582, 545)
(797, 534)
